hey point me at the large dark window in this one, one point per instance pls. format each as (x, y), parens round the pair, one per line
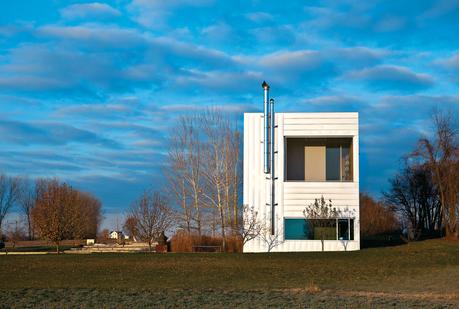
(333, 163)
(346, 229)
(296, 229)
(319, 159)
(318, 229)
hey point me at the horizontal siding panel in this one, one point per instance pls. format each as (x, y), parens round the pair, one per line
(320, 132)
(300, 208)
(304, 189)
(302, 204)
(318, 184)
(330, 121)
(319, 115)
(312, 196)
(308, 126)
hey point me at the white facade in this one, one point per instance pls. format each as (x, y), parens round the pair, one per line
(292, 197)
(116, 234)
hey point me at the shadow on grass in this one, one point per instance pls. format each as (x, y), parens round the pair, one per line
(392, 240)
(379, 241)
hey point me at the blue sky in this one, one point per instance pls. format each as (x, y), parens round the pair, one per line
(89, 90)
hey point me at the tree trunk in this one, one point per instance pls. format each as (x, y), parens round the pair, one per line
(185, 210)
(222, 218)
(198, 212)
(29, 227)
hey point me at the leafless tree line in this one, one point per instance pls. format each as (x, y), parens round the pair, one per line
(19, 192)
(376, 217)
(150, 216)
(204, 174)
(51, 210)
(9, 195)
(426, 192)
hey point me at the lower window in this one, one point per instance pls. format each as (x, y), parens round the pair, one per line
(318, 229)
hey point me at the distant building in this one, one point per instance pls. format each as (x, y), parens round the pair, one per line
(118, 235)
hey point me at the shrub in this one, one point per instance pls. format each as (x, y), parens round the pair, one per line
(376, 218)
(184, 242)
(160, 248)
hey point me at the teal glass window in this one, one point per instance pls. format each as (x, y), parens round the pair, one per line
(296, 229)
(318, 229)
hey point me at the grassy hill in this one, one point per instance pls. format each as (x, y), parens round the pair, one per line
(417, 274)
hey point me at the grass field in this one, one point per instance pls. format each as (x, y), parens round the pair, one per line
(423, 274)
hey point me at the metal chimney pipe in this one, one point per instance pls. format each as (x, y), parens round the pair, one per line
(273, 177)
(266, 126)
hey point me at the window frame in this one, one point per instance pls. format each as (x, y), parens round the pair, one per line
(318, 139)
(351, 232)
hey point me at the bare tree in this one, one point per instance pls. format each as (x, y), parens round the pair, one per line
(204, 168)
(250, 227)
(153, 216)
(27, 199)
(441, 153)
(216, 128)
(272, 240)
(85, 215)
(376, 217)
(104, 235)
(184, 170)
(50, 215)
(130, 227)
(9, 194)
(233, 168)
(321, 216)
(15, 233)
(413, 195)
(174, 173)
(64, 213)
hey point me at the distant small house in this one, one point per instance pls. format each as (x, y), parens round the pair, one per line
(116, 235)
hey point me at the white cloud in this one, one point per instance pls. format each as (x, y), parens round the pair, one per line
(259, 17)
(451, 63)
(391, 77)
(89, 10)
(154, 13)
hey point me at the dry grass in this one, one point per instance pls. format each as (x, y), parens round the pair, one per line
(422, 274)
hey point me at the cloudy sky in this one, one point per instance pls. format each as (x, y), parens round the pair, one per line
(89, 90)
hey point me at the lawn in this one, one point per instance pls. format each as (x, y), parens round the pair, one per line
(423, 274)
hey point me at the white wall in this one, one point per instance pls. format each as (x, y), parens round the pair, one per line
(293, 196)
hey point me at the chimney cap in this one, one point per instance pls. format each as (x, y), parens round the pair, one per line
(265, 85)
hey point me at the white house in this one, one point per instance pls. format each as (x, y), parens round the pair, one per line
(315, 155)
(118, 235)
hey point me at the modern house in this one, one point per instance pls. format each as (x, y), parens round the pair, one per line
(314, 155)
